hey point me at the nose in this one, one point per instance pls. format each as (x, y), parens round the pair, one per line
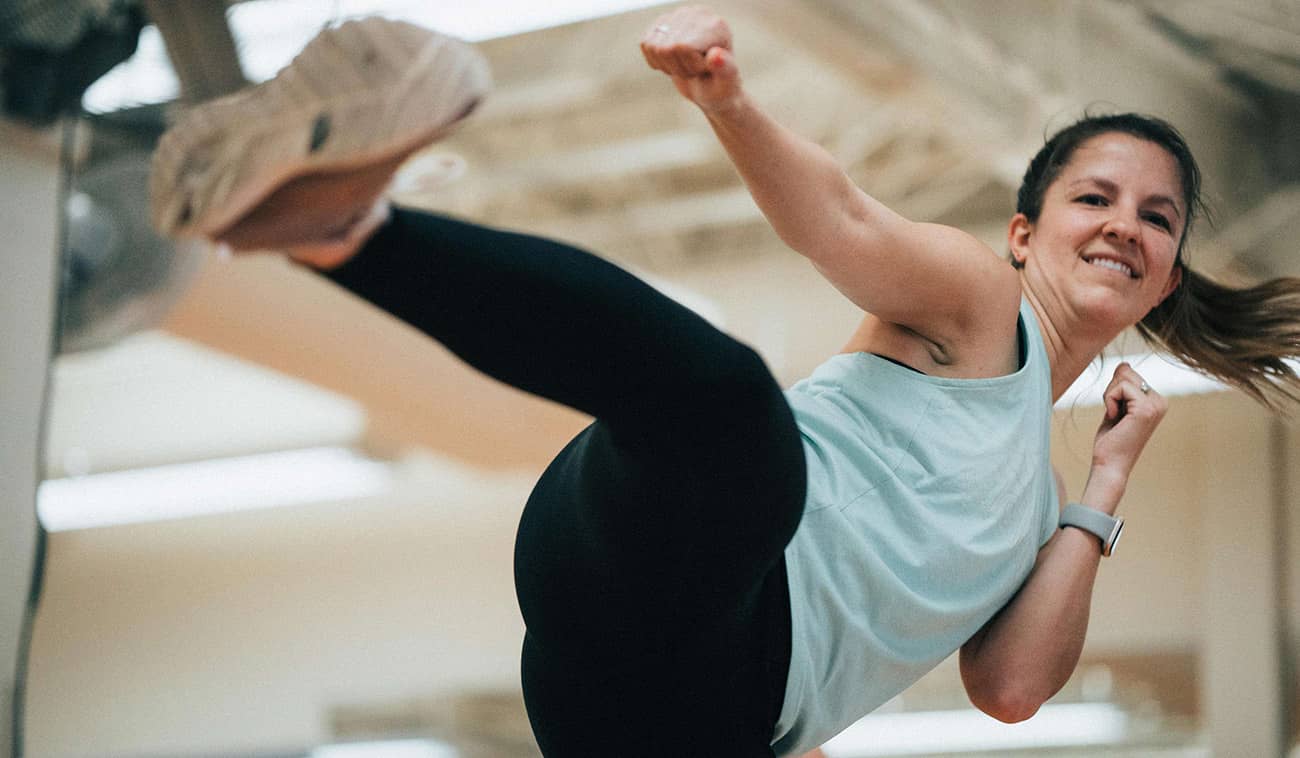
(1122, 228)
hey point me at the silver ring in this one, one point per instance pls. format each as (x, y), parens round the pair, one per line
(663, 29)
(1144, 387)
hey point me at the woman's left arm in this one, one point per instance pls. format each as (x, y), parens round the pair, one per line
(1025, 653)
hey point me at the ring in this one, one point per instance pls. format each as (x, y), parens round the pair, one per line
(1144, 387)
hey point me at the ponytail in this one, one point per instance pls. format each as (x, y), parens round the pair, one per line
(1247, 337)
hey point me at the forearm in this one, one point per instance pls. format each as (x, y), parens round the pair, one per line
(1030, 649)
(800, 188)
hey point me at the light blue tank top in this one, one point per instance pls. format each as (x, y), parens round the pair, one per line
(928, 499)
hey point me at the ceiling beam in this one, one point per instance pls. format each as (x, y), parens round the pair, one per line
(1158, 69)
(1261, 241)
(973, 94)
(673, 216)
(661, 151)
(1266, 31)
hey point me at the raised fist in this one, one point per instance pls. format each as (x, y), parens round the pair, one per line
(692, 44)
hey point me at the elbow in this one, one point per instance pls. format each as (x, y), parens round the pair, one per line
(1007, 704)
(1004, 698)
(1012, 711)
(1008, 692)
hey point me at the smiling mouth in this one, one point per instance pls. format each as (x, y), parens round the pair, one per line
(1113, 265)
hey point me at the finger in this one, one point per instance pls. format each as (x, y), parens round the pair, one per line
(671, 63)
(676, 67)
(1120, 397)
(1112, 396)
(658, 30)
(665, 58)
(690, 61)
(1126, 372)
(657, 45)
(653, 58)
(1131, 375)
(1131, 393)
(1124, 386)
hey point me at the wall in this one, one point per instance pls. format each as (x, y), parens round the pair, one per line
(238, 632)
(1148, 594)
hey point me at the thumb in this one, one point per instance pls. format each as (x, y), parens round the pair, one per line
(722, 65)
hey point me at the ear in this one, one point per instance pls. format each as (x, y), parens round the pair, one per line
(1175, 278)
(1018, 231)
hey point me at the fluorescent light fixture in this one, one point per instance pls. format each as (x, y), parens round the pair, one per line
(294, 477)
(270, 32)
(952, 732)
(478, 21)
(386, 749)
(1166, 376)
(144, 78)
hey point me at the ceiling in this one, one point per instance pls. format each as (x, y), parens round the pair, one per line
(933, 106)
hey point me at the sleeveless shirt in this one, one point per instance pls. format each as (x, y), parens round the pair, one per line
(928, 499)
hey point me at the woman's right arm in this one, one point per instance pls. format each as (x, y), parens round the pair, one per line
(931, 278)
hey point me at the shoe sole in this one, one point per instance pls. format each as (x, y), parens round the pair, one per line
(363, 93)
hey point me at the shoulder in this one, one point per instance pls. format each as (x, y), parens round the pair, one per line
(981, 293)
(990, 286)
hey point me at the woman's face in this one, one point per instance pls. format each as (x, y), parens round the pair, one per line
(1107, 237)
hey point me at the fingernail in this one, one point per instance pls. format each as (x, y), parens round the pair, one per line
(222, 252)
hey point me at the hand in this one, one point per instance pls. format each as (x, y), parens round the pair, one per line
(1133, 410)
(692, 44)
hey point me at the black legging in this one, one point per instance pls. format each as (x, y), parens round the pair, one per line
(648, 563)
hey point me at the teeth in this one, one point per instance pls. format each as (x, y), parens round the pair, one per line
(1116, 265)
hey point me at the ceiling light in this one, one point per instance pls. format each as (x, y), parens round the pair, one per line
(1166, 376)
(293, 477)
(952, 732)
(386, 749)
(270, 32)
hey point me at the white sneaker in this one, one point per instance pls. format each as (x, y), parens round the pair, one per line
(359, 95)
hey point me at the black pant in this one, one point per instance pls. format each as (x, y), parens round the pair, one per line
(648, 564)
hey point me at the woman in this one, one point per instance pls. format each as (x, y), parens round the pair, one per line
(714, 566)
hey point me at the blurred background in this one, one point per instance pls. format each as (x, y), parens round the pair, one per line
(280, 523)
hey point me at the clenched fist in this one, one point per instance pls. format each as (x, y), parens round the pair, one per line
(1133, 410)
(692, 45)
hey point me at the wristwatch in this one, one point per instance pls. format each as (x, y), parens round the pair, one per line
(1107, 528)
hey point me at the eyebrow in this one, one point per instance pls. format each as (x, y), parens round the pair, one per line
(1111, 187)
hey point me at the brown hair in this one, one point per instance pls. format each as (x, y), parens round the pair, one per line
(1242, 336)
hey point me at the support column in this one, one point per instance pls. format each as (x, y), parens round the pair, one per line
(29, 186)
(1288, 508)
(200, 45)
(1241, 664)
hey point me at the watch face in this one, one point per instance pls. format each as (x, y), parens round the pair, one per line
(1114, 538)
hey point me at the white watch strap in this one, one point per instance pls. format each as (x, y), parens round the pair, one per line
(1107, 528)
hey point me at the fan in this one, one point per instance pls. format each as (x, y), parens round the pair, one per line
(118, 276)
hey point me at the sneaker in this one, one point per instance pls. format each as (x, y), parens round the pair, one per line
(359, 99)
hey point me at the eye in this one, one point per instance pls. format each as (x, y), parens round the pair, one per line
(1092, 198)
(1159, 220)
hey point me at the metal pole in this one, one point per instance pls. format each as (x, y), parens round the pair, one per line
(29, 202)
